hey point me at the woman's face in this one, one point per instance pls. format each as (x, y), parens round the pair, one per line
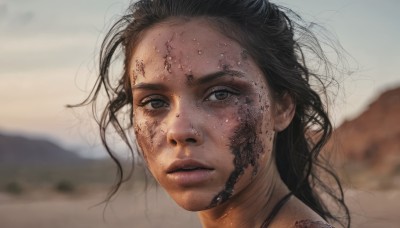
(203, 115)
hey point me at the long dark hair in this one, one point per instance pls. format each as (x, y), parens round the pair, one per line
(280, 42)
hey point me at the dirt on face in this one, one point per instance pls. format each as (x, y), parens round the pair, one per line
(145, 137)
(140, 67)
(179, 63)
(246, 146)
(168, 56)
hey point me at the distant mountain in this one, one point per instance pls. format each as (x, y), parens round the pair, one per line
(19, 151)
(373, 137)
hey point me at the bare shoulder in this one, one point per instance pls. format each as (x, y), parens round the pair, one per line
(311, 224)
(295, 214)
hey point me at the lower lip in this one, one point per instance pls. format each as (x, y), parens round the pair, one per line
(191, 178)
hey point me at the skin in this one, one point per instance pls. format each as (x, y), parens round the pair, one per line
(199, 95)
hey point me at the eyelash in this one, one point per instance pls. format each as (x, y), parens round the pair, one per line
(150, 105)
(228, 92)
(150, 101)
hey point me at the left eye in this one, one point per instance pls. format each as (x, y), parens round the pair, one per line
(219, 95)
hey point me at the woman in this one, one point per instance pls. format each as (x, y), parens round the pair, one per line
(220, 103)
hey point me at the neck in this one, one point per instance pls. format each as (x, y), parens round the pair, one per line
(251, 206)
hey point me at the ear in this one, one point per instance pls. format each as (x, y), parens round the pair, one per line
(284, 112)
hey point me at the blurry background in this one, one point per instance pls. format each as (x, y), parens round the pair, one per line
(52, 167)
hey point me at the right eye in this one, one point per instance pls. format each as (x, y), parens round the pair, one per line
(153, 103)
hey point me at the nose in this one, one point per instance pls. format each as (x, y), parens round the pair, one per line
(184, 130)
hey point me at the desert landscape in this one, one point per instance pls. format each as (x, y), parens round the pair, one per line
(369, 209)
(45, 186)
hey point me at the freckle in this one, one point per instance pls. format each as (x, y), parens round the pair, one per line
(177, 115)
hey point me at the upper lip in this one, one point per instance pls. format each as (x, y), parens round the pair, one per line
(186, 164)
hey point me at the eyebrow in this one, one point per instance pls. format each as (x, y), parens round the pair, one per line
(214, 76)
(199, 81)
(149, 86)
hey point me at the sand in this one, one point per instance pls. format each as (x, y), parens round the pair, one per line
(155, 209)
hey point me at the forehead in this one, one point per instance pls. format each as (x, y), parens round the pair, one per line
(192, 46)
(196, 33)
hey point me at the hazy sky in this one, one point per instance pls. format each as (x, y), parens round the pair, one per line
(48, 54)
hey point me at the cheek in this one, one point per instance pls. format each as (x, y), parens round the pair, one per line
(255, 131)
(266, 129)
(246, 143)
(148, 134)
(252, 141)
(263, 114)
(246, 146)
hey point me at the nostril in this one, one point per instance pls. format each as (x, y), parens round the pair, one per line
(191, 140)
(186, 141)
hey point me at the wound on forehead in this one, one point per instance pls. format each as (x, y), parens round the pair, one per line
(168, 56)
(140, 67)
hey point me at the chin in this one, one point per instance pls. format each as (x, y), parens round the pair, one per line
(192, 201)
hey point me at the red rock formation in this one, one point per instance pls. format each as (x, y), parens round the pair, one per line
(372, 138)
